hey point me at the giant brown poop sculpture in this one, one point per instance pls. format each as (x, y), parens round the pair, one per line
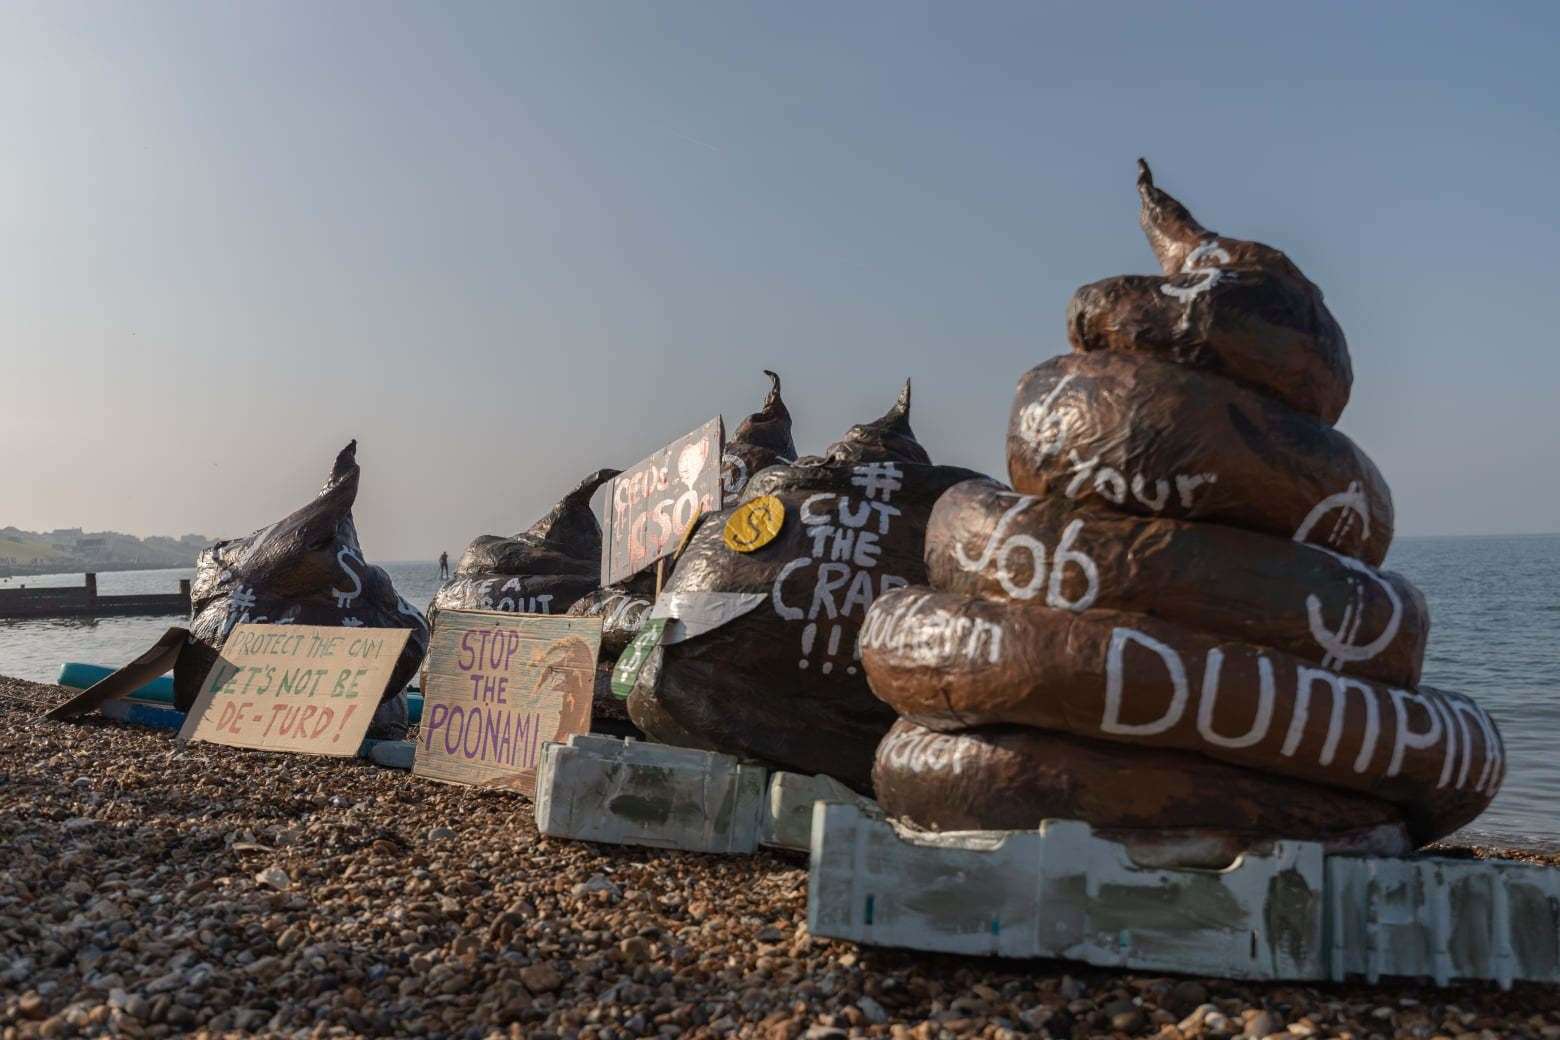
(307, 569)
(759, 655)
(542, 570)
(1174, 626)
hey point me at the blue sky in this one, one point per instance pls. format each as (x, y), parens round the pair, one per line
(503, 245)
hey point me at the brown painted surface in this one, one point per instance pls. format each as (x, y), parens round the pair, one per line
(984, 540)
(1157, 439)
(1240, 309)
(1013, 777)
(962, 661)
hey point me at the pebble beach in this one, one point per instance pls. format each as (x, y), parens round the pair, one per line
(149, 890)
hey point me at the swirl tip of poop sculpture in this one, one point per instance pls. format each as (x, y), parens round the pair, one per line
(887, 437)
(769, 427)
(1173, 624)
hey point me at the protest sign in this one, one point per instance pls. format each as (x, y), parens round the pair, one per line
(651, 504)
(308, 688)
(496, 687)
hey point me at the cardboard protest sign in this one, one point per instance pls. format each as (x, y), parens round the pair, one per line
(308, 688)
(651, 504)
(496, 687)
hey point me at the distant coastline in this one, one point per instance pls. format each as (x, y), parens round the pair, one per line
(69, 550)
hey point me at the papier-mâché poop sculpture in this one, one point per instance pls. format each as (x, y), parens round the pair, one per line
(552, 567)
(763, 439)
(758, 657)
(1174, 627)
(541, 570)
(306, 569)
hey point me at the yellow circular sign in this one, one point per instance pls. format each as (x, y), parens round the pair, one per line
(754, 524)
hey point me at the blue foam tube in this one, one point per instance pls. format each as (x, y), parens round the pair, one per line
(79, 676)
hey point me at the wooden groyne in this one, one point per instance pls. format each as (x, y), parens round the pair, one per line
(83, 601)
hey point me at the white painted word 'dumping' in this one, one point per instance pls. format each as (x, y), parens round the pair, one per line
(1447, 717)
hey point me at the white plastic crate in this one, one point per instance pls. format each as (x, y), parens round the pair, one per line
(1445, 919)
(1289, 912)
(1060, 891)
(628, 792)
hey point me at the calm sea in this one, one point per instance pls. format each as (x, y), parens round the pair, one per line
(1494, 604)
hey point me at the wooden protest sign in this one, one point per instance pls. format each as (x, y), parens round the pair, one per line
(496, 686)
(308, 688)
(652, 503)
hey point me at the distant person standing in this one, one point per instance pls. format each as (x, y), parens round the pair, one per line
(444, 566)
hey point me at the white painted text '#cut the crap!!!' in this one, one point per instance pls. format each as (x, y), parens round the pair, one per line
(845, 534)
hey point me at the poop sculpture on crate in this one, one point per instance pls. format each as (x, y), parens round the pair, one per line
(306, 569)
(757, 656)
(763, 439)
(1174, 627)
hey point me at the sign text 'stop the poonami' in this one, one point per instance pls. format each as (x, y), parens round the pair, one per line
(496, 688)
(650, 505)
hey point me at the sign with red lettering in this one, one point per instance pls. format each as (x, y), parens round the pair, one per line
(650, 505)
(496, 687)
(308, 688)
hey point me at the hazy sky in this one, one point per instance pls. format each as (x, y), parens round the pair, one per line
(504, 245)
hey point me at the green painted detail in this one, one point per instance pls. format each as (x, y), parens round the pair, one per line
(634, 657)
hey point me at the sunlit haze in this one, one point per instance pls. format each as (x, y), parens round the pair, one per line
(505, 245)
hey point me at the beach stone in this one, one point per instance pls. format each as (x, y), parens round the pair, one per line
(540, 978)
(1262, 1024)
(1128, 1021)
(273, 877)
(872, 1010)
(1187, 995)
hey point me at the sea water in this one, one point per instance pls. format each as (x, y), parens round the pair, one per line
(1494, 635)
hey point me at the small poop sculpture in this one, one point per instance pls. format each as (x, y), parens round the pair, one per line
(1175, 626)
(542, 570)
